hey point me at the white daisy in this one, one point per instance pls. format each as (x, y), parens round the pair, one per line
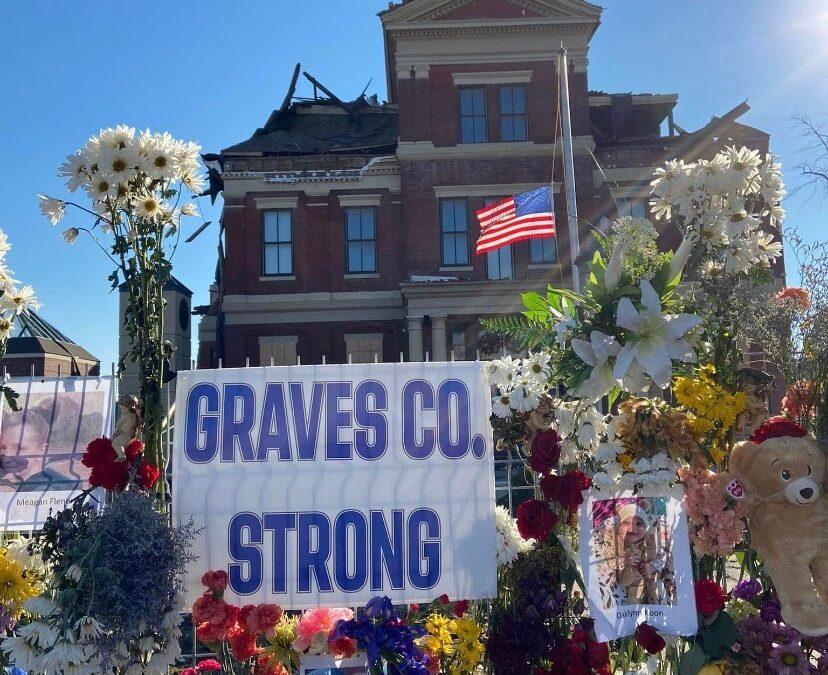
(148, 206)
(75, 169)
(70, 235)
(501, 407)
(16, 300)
(53, 209)
(189, 209)
(102, 186)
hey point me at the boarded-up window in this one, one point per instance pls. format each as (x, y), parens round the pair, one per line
(277, 350)
(364, 347)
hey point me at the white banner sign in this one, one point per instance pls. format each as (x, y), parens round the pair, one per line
(42, 444)
(328, 485)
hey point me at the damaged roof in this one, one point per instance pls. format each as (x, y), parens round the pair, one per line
(322, 126)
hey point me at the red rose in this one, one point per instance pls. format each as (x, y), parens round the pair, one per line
(148, 474)
(242, 644)
(133, 449)
(546, 451)
(443, 599)
(566, 490)
(414, 608)
(775, 427)
(710, 597)
(208, 665)
(649, 639)
(535, 520)
(342, 648)
(216, 581)
(461, 607)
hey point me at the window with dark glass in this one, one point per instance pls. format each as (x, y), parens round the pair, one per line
(454, 231)
(498, 262)
(543, 250)
(277, 243)
(513, 113)
(360, 233)
(472, 115)
(637, 208)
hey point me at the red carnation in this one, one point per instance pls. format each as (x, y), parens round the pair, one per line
(776, 427)
(443, 599)
(112, 476)
(546, 451)
(208, 665)
(242, 643)
(215, 611)
(649, 639)
(189, 671)
(216, 581)
(710, 597)
(461, 607)
(342, 648)
(208, 634)
(260, 618)
(133, 449)
(598, 656)
(148, 474)
(535, 520)
(99, 452)
(566, 489)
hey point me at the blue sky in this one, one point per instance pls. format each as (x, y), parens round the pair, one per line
(211, 71)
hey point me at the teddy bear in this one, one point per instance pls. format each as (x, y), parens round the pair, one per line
(779, 473)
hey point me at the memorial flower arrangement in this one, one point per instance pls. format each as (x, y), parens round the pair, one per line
(660, 341)
(110, 602)
(136, 184)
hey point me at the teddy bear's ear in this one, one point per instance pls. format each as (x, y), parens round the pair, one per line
(742, 456)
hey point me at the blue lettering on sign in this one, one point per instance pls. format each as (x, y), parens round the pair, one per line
(388, 553)
(231, 425)
(201, 432)
(238, 424)
(417, 441)
(248, 554)
(274, 433)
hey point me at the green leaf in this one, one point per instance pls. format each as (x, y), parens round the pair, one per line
(693, 661)
(723, 630)
(534, 302)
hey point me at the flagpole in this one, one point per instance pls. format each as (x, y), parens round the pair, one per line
(569, 170)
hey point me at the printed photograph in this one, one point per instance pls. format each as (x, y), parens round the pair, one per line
(632, 549)
(41, 445)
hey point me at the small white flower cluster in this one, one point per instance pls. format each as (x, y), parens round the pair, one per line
(42, 647)
(580, 427)
(509, 542)
(724, 200)
(123, 170)
(633, 233)
(13, 299)
(520, 382)
(658, 470)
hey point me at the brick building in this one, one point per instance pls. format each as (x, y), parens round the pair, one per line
(349, 226)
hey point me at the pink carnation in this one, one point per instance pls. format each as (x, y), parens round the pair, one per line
(316, 624)
(716, 525)
(258, 619)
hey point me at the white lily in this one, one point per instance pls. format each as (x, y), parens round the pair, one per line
(599, 352)
(656, 338)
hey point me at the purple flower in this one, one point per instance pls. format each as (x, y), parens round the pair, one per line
(789, 659)
(379, 607)
(747, 589)
(770, 611)
(755, 637)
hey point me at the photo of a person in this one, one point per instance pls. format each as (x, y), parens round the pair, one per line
(41, 445)
(632, 547)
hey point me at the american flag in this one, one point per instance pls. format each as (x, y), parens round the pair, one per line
(529, 215)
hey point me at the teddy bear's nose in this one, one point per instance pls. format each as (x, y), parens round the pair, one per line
(807, 493)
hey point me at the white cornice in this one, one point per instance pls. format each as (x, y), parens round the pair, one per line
(493, 190)
(433, 10)
(286, 202)
(638, 99)
(359, 200)
(408, 150)
(312, 307)
(493, 77)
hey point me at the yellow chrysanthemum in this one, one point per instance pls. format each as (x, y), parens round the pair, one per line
(15, 585)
